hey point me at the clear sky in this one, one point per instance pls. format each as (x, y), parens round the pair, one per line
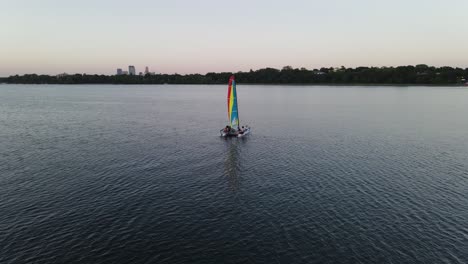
(198, 36)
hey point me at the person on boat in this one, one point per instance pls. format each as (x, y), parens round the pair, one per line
(227, 129)
(241, 130)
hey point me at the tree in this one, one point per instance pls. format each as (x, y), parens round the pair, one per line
(419, 74)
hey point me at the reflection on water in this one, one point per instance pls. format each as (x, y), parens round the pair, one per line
(231, 163)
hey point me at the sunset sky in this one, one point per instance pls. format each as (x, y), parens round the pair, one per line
(52, 36)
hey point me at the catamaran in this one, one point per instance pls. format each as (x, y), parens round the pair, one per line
(233, 129)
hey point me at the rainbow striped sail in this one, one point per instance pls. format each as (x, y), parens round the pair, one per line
(233, 114)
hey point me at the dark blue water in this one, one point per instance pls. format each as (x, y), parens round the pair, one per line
(139, 174)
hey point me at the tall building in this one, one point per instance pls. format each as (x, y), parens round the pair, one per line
(119, 72)
(131, 70)
(146, 70)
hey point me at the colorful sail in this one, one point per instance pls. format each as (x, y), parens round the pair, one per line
(233, 114)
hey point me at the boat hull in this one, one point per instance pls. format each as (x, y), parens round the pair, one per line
(235, 134)
(246, 132)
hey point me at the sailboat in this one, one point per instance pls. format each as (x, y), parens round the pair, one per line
(233, 129)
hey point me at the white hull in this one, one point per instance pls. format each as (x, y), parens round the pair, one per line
(246, 132)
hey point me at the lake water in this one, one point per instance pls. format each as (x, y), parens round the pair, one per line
(139, 174)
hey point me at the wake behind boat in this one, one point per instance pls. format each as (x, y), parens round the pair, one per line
(233, 129)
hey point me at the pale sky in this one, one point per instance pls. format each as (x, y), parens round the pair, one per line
(199, 36)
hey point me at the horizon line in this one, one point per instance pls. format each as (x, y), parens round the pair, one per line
(244, 71)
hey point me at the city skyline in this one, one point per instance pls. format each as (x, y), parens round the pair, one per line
(132, 70)
(52, 37)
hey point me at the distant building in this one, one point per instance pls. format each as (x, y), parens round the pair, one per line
(131, 70)
(62, 75)
(146, 70)
(119, 72)
(465, 81)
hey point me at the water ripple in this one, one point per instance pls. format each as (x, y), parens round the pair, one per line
(112, 175)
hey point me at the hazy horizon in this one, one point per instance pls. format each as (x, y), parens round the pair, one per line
(52, 36)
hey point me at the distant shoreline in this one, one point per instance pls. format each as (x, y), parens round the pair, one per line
(419, 75)
(252, 84)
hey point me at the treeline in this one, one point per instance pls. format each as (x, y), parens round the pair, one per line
(419, 74)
